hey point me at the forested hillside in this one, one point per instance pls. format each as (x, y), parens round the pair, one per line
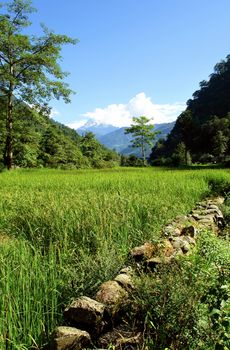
(202, 131)
(40, 141)
(121, 142)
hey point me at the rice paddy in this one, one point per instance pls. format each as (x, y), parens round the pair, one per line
(62, 233)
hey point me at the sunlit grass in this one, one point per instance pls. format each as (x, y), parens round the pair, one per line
(71, 230)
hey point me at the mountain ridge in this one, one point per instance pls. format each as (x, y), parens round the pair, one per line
(119, 141)
(97, 128)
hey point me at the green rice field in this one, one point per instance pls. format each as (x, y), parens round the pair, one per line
(62, 233)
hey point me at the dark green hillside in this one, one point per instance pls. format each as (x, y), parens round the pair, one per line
(203, 129)
(40, 141)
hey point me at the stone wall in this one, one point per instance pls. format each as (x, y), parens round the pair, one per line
(100, 322)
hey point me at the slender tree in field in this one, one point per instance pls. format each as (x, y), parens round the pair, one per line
(29, 69)
(143, 134)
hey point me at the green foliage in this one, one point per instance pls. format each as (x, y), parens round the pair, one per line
(185, 305)
(143, 134)
(29, 67)
(204, 127)
(131, 160)
(99, 155)
(31, 289)
(38, 141)
(181, 156)
(72, 230)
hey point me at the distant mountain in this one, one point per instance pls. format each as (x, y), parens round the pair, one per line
(99, 129)
(121, 142)
(117, 139)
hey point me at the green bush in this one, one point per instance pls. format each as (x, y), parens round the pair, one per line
(185, 305)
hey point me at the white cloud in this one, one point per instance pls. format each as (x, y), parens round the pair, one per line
(77, 124)
(115, 114)
(54, 112)
(121, 114)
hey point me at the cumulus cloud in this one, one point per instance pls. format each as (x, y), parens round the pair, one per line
(54, 112)
(121, 114)
(77, 124)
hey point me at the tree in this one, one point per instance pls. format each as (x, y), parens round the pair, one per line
(181, 155)
(29, 69)
(143, 134)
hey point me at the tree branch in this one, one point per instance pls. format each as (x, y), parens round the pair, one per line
(4, 59)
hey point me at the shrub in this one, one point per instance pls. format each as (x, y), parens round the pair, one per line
(184, 305)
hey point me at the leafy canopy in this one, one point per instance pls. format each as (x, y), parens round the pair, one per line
(29, 65)
(143, 134)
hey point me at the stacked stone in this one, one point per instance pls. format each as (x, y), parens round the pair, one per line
(97, 320)
(90, 318)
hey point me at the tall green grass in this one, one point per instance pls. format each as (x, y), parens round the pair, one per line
(29, 294)
(71, 230)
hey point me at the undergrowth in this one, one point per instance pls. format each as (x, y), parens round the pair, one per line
(186, 305)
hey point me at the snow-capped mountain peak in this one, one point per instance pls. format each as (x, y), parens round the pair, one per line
(96, 127)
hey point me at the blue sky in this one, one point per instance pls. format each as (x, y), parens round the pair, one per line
(135, 56)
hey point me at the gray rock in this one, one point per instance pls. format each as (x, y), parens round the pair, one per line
(204, 217)
(200, 206)
(213, 206)
(190, 240)
(177, 242)
(125, 281)
(128, 270)
(86, 312)
(111, 293)
(186, 247)
(182, 243)
(69, 338)
(156, 261)
(216, 201)
(171, 230)
(206, 220)
(213, 212)
(142, 252)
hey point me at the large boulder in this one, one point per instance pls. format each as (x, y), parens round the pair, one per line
(115, 297)
(87, 314)
(69, 338)
(111, 293)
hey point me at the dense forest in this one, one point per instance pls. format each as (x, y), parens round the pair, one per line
(202, 131)
(39, 141)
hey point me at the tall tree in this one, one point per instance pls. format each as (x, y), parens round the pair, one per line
(143, 134)
(29, 69)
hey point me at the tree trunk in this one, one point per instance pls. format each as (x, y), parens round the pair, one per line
(143, 150)
(9, 130)
(144, 156)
